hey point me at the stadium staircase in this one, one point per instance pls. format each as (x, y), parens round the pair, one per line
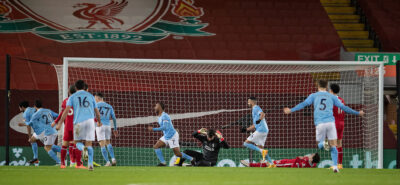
(348, 24)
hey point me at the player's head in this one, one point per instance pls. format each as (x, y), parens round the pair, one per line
(322, 84)
(23, 105)
(334, 88)
(252, 101)
(210, 135)
(38, 104)
(72, 90)
(86, 87)
(315, 158)
(98, 96)
(159, 107)
(80, 85)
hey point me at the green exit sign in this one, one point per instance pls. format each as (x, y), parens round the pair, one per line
(387, 58)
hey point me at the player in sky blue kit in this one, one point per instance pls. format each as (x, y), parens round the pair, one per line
(170, 138)
(85, 109)
(324, 120)
(257, 139)
(27, 114)
(103, 133)
(41, 124)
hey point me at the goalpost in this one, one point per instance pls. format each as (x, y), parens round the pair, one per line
(213, 94)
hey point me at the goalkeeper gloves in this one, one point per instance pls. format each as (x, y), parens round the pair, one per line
(202, 131)
(243, 130)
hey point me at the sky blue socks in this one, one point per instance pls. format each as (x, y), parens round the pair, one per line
(35, 150)
(159, 155)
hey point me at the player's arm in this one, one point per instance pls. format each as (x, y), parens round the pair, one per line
(58, 117)
(251, 128)
(114, 121)
(64, 115)
(53, 114)
(97, 113)
(300, 106)
(162, 127)
(345, 108)
(260, 115)
(200, 134)
(29, 130)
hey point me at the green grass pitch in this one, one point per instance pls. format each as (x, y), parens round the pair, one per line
(44, 175)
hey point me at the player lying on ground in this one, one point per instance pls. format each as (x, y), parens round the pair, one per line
(211, 141)
(103, 133)
(27, 114)
(307, 161)
(257, 139)
(339, 123)
(41, 123)
(85, 109)
(68, 136)
(324, 121)
(170, 138)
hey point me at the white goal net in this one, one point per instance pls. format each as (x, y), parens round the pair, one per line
(213, 94)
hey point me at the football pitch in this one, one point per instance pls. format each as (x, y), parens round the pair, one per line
(192, 175)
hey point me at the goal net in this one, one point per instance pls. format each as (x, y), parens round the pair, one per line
(213, 94)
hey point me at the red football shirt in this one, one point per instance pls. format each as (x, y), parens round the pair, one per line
(69, 121)
(338, 113)
(294, 163)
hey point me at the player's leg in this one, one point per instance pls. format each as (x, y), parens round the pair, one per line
(157, 149)
(64, 149)
(109, 145)
(174, 144)
(332, 138)
(78, 139)
(33, 142)
(111, 152)
(51, 148)
(197, 156)
(71, 153)
(255, 140)
(90, 130)
(320, 135)
(100, 134)
(339, 131)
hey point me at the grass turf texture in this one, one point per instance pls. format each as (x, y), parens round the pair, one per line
(44, 175)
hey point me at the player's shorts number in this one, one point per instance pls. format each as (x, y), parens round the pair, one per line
(323, 105)
(84, 102)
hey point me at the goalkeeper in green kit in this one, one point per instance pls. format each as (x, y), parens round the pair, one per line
(211, 141)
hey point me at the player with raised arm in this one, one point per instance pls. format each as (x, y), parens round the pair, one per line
(339, 123)
(324, 121)
(169, 139)
(212, 141)
(27, 114)
(85, 109)
(68, 136)
(41, 123)
(103, 133)
(307, 161)
(257, 140)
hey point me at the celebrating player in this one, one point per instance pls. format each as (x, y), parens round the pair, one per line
(339, 123)
(307, 161)
(68, 137)
(170, 138)
(41, 123)
(323, 117)
(103, 133)
(27, 114)
(211, 141)
(256, 140)
(85, 109)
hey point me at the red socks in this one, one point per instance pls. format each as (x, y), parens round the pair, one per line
(78, 156)
(63, 154)
(71, 153)
(340, 155)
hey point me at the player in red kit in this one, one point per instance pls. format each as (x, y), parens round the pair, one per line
(74, 154)
(307, 161)
(339, 122)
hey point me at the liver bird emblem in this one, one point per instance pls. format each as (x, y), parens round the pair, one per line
(97, 13)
